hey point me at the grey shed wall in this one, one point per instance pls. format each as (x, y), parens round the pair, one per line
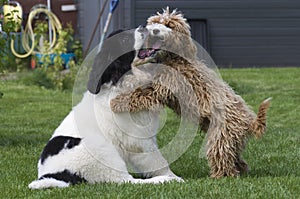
(88, 15)
(236, 33)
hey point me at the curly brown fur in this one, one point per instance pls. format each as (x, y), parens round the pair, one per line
(223, 114)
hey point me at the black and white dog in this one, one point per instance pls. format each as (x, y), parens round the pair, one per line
(93, 144)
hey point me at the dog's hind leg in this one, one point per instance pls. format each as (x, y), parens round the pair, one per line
(221, 151)
(242, 165)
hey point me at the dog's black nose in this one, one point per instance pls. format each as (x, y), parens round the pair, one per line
(155, 31)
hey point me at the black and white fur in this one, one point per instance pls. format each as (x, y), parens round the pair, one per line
(93, 144)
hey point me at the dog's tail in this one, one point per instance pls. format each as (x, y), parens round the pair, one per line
(47, 183)
(258, 127)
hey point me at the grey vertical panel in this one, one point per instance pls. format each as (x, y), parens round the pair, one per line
(242, 32)
(130, 13)
(88, 12)
(80, 20)
(122, 16)
(199, 31)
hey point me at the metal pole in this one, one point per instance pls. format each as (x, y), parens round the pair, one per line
(49, 23)
(112, 6)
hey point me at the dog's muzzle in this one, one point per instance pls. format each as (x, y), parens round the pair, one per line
(152, 42)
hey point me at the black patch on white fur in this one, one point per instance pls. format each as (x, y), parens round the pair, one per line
(108, 69)
(56, 144)
(65, 176)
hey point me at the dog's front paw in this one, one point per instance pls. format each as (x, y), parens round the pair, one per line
(178, 179)
(119, 104)
(164, 179)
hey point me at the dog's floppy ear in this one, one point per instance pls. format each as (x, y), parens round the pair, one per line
(94, 83)
(101, 62)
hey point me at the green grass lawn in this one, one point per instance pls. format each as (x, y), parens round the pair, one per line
(29, 114)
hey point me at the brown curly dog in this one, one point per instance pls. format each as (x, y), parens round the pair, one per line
(170, 53)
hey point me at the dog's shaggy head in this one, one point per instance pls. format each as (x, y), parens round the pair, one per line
(166, 36)
(173, 20)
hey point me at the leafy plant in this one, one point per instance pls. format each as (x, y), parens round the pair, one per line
(2, 2)
(7, 61)
(52, 64)
(38, 77)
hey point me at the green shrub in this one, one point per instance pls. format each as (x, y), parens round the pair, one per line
(8, 62)
(48, 74)
(53, 68)
(38, 77)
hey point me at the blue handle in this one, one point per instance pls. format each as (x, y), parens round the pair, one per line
(113, 5)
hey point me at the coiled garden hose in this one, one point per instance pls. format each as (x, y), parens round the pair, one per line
(28, 36)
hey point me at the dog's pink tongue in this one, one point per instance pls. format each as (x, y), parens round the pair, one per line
(143, 53)
(150, 52)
